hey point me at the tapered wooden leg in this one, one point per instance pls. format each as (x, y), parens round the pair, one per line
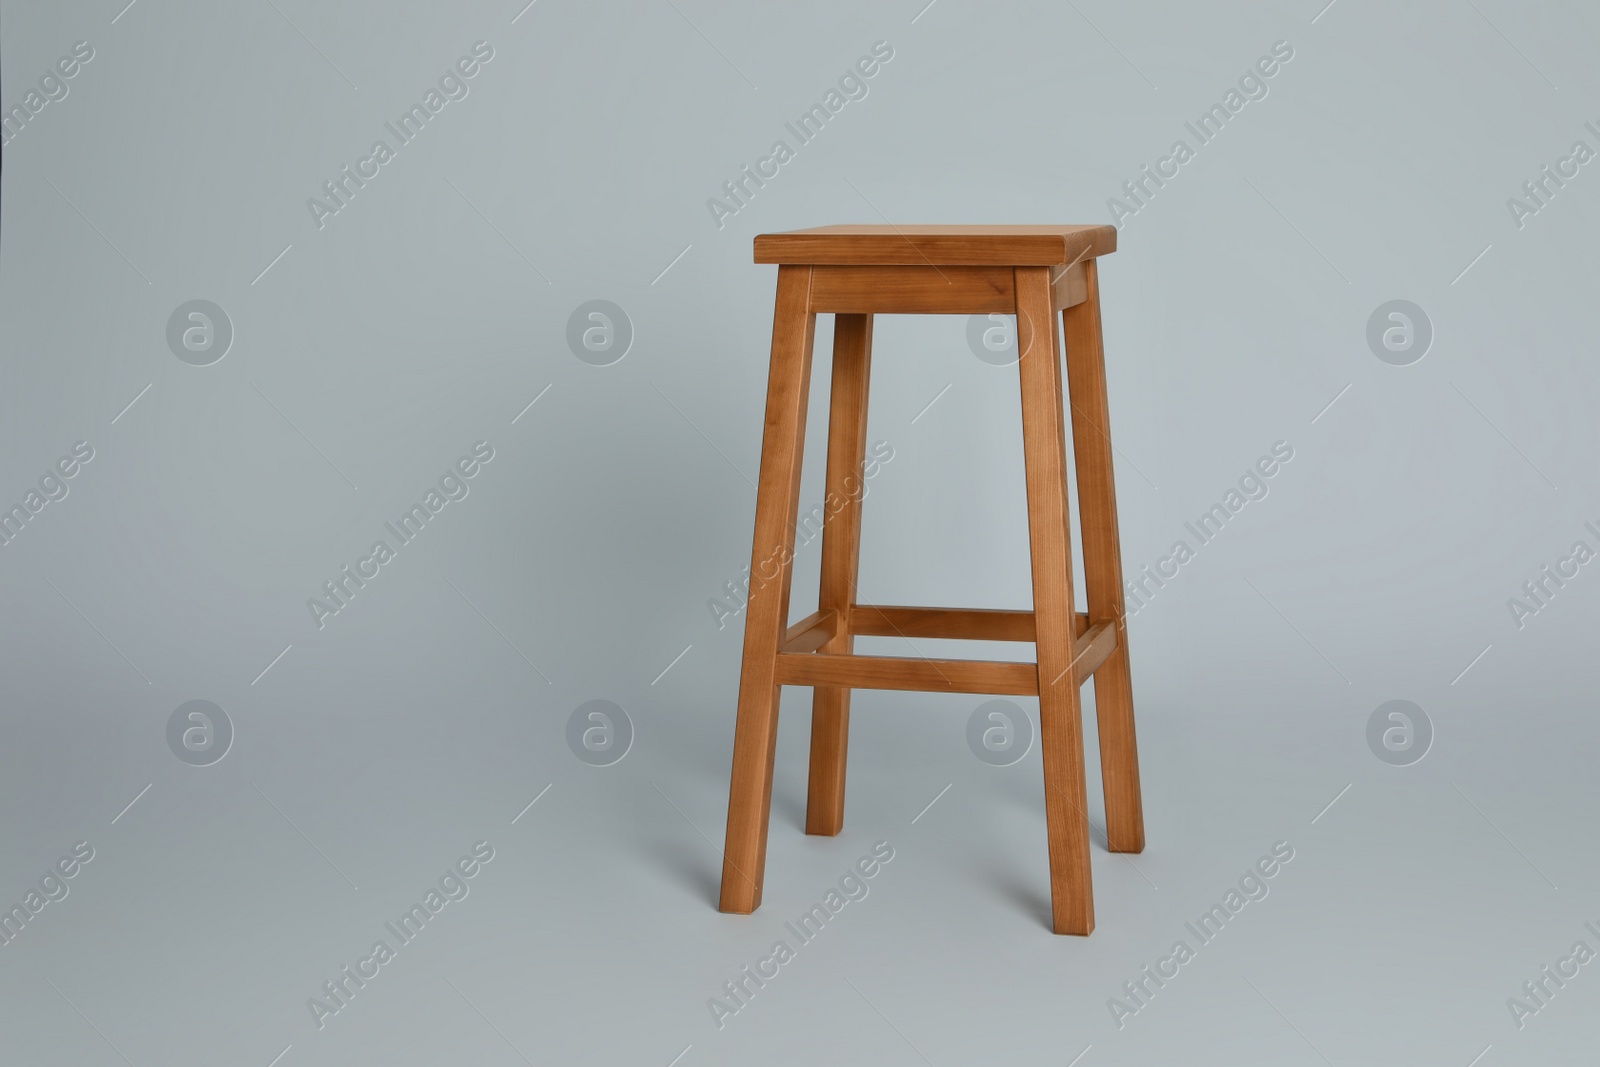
(1102, 561)
(1044, 446)
(841, 555)
(766, 614)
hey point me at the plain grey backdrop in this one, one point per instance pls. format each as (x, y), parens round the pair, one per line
(374, 347)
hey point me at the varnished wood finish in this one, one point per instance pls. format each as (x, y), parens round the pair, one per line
(777, 501)
(984, 246)
(811, 632)
(1070, 287)
(1044, 447)
(841, 556)
(921, 675)
(1102, 560)
(958, 624)
(918, 289)
(852, 272)
(1093, 647)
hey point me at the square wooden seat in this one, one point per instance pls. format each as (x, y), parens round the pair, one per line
(855, 272)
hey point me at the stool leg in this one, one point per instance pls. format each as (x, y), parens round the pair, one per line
(767, 612)
(1044, 447)
(1102, 563)
(841, 555)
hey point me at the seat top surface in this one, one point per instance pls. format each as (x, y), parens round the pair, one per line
(985, 246)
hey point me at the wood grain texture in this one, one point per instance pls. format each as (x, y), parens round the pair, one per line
(771, 563)
(957, 624)
(914, 673)
(1102, 560)
(1044, 449)
(919, 289)
(1070, 287)
(992, 246)
(841, 556)
(1093, 647)
(811, 632)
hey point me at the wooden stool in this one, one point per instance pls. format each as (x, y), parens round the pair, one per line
(855, 272)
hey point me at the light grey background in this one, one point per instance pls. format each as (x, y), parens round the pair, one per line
(371, 353)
